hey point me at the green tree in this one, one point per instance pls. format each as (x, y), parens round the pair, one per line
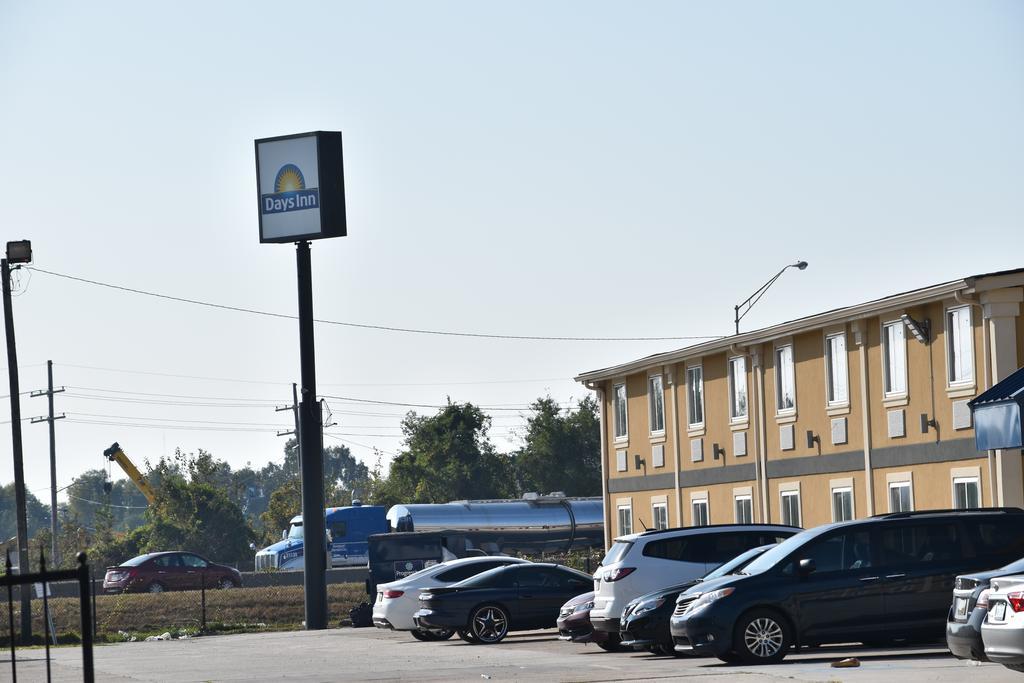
(446, 457)
(37, 515)
(562, 450)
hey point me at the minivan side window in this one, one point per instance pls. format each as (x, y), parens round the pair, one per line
(694, 548)
(836, 552)
(997, 541)
(913, 544)
(724, 547)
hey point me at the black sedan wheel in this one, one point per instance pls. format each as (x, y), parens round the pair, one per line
(763, 637)
(468, 637)
(489, 624)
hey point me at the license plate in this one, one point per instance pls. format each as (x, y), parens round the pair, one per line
(961, 608)
(999, 611)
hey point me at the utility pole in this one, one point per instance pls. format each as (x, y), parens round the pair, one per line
(17, 256)
(49, 392)
(294, 407)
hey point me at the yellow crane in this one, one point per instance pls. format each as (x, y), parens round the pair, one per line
(115, 454)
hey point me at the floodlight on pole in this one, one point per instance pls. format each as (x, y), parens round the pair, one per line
(756, 296)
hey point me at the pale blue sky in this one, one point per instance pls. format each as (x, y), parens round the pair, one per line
(606, 169)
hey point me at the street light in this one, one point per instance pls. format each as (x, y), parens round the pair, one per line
(756, 296)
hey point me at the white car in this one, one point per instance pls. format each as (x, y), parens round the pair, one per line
(640, 563)
(1003, 628)
(398, 600)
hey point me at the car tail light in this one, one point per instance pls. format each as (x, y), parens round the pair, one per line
(983, 599)
(620, 573)
(393, 594)
(1016, 600)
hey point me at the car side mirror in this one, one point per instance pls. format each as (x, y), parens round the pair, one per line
(806, 567)
(284, 534)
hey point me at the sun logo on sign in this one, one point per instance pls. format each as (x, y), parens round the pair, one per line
(289, 179)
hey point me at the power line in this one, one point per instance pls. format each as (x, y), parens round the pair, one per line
(96, 502)
(383, 328)
(522, 406)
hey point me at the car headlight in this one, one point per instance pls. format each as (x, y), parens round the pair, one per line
(587, 606)
(648, 605)
(426, 596)
(708, 598)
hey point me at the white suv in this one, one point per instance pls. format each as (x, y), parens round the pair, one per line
(640, 563)
(398, 600)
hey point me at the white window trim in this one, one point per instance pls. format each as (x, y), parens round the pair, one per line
(842, 403)
(899, 478)
(650, 405)
(961, 385)
(966, 474)
(784, 412)
(893, 396)
(833, 490)
(699, 497)
(745, 418)
(735, 508)
(786, 491)
(624, 438)
(659, 502)
(693, 427)
(618, 517)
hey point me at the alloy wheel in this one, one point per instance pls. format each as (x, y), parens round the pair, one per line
(763, 637)
(490, 624)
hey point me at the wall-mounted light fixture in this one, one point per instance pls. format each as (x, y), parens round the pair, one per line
(812, 439)
(926, 423)
(638, 461)
(718, 451)
(920, 329)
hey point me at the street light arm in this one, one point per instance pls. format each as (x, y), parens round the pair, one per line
(760, 291)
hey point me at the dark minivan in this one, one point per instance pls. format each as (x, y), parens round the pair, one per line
(875, 581)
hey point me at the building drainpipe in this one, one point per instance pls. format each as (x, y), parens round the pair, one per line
(985, 355)
(862, 350)
(670, 373)
(761, 444)
(603, 420)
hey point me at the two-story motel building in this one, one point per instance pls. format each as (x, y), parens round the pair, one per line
(841, 415)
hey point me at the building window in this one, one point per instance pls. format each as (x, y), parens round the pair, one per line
(695, 395)
(835, 359)
(842, 504)
(790, 501)
(656, 404)
(785, 380)
(660, 513)
(625, 520)
(894, 358)
(621, 430)
(738, 388)
(966, 492)
(960, 345)
(899, 497)
(700, 512)
(744, 506)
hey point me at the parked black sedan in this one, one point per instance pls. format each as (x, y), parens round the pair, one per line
(519, 597)
(969, 608)
(646, 620)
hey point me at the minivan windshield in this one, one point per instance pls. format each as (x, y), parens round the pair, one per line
(616, 552)
(737, 563)
(777, 554)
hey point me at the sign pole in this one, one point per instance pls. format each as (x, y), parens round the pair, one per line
(312, 460)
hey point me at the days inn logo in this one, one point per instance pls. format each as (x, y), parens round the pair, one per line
(290, 193)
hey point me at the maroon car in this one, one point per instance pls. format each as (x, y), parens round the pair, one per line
(574, 624)
(169, 571)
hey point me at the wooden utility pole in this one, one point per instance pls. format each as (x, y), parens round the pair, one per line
(49, 392)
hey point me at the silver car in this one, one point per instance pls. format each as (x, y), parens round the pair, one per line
(1003, 628)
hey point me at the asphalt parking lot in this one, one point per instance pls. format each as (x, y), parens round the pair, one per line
(375, 655)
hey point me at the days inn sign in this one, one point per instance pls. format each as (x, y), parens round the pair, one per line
(301, 187)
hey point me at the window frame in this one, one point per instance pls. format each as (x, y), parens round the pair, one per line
(656, 400)
(954, 331)
(971, 479)
(902, 484)
(655, 506)
(624, 436)
(790, 493)
(743, 498)
(628, 508)
(842, 490)
(831, 373)
(734, 415)
(690, 385)
(779, 409)
(700, 503)
(887, 391)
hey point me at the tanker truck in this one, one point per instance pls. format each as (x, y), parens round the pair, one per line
(409, 537)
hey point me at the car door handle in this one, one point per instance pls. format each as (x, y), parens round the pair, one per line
(894, 576)
(870, 578)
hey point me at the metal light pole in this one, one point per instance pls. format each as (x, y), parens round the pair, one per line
(17, 252)
(756, 296)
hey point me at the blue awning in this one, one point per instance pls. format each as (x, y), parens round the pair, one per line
(997, 414)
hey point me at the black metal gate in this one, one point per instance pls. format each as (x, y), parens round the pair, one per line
(25, 581)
